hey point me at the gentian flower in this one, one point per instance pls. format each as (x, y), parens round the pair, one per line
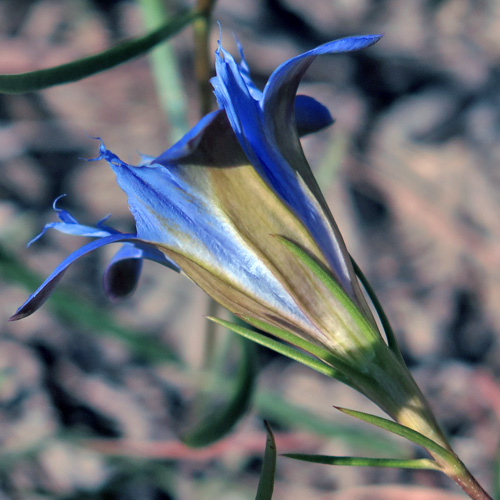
(218, 206)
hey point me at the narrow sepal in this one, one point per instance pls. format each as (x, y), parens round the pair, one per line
(333, 286)
(281, 348)
(325, 355)
(403, 431)
(386, 325)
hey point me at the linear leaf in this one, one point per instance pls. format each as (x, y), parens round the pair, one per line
(403, 431)
(266, 482)
(215, 426)
(87, 66)
(398, 463)
(273, 406)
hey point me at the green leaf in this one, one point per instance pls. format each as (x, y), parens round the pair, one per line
(82, 68)
(403, 431)
(281, 348)
(397, 463)
(266, 483)
(273, 406)
(215, 426)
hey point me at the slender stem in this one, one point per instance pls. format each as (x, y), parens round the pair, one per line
(462, 476)
(202, 63)
(203, 72)
(166, 73)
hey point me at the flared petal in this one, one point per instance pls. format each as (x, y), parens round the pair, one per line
(267, 131)
(123, 272)
(281, 89)
(69, 225)
(37, 299)
(310, 115)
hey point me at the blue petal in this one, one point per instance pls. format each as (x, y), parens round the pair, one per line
(123, 272)
(36, 300)
(267, 132)
(279, 93)
(185, 146)
(69, 225)
(245, 73)
(173, 203)
(310, 115)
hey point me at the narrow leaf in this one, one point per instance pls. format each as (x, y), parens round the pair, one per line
(215, 426)
(266, 483)
(403, 431)
(273, 406)
(82, 68)
(342, 369)
(281, 348)
(396, 463)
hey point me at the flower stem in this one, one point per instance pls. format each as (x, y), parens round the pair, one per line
(202, 63)
(203, 72)
(166, 73)
(462, 476)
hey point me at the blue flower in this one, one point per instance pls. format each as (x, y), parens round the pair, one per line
(212, 205)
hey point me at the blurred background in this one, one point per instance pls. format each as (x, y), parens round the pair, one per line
(92, 401)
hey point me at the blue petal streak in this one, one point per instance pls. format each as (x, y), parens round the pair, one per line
(266, 128)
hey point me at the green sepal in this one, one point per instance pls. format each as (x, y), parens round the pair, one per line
(281, 348)
(403, 431)
(396, 463)
(329, 358)
(266, 482)
(389, 332)
(333, 286)
(215, 426)
(87, 66)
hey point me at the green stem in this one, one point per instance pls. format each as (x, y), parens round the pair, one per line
(202, 63)
(203, 72)
(166, 73)
(457, 471)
